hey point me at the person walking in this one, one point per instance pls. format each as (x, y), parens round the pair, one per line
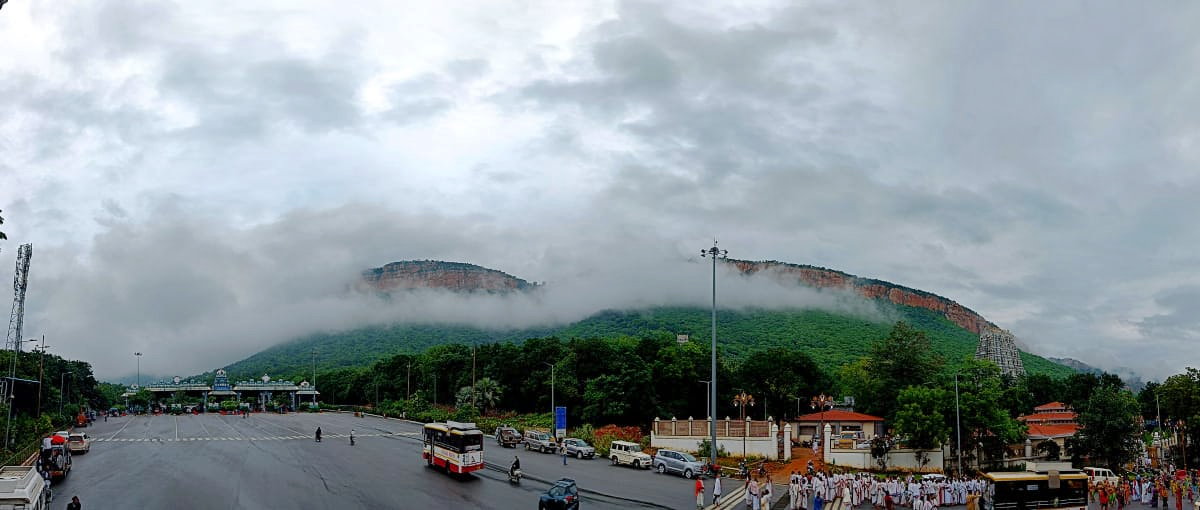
(74, 504)
(755, 501)
(716, 487)
(699, 493)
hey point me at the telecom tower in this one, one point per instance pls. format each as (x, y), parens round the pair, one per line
(20, 282)
(1000, 347)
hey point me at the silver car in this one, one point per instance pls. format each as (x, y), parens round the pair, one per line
(579, 448)
(677, 462)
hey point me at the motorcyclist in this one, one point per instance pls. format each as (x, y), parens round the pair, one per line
(318, 434)
(351, 437)
(516, 466)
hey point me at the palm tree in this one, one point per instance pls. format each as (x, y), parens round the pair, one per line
(488, 392)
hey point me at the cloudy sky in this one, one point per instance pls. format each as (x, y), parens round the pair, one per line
(201, 180)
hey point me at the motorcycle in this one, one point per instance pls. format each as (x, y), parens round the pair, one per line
(514, 476)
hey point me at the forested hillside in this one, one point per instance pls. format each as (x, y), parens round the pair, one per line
(831, 339)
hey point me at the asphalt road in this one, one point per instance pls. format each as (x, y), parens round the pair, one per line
(271, 461)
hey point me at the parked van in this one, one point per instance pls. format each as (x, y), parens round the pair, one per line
(1097, 475)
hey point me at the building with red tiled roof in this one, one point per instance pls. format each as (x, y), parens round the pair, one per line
(841, 421)
(1054, 421)
(1054, 413)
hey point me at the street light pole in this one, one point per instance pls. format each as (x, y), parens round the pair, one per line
(707, 411)
(41, 372)
(958, 424)
(714, 253)
(139, 369)
(552, 409)
(62, 381)
(408, 383)
(12, 380)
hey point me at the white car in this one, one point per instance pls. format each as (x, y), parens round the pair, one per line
(79, 442)
(624, 452)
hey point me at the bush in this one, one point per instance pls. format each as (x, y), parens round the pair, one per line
(704, 448)
(604, 436)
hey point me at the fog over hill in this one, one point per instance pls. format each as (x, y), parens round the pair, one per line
(199, 183)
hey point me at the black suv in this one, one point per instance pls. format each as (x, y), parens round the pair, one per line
(563, 495)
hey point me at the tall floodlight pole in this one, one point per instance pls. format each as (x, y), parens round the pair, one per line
(314, 371)
(139, 369)
(408, 383)
(958, 424)
(713, 253)
(707, 411)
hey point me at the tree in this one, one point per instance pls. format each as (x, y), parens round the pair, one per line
(985, 423)
(905, 358)
(2, 236)
(777, 376)
(921, 418)
(1108, 432)
(487, 394)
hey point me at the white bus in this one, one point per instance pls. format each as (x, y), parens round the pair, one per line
(453, 446)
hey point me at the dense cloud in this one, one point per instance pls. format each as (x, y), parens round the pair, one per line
(201, 182)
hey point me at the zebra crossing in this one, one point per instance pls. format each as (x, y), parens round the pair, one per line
(252, 438)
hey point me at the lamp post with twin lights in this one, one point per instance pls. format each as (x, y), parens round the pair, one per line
(822, 402)
(743, 400)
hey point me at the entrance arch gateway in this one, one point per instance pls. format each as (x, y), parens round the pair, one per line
(265, 388)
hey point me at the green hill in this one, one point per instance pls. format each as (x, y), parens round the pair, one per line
(830, 338)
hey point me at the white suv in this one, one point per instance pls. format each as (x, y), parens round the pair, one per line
(624, 452)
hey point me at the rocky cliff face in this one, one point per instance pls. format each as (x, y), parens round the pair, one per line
(433, 274)
(875, 289)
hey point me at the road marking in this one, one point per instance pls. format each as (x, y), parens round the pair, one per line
(265, 438)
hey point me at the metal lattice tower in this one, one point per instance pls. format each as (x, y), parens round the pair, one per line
(1000, 347)
(20, 283)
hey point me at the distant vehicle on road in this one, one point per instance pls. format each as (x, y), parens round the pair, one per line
(79, 442)
(508, 437)
(453, 446)
(683, 463)
(624, 452)
(563, 495)
(540, 441)
(579, 448)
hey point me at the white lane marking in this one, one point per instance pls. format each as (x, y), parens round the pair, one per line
(127, 422)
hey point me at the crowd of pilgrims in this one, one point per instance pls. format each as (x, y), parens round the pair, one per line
(810, 492)
(1153, 490)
